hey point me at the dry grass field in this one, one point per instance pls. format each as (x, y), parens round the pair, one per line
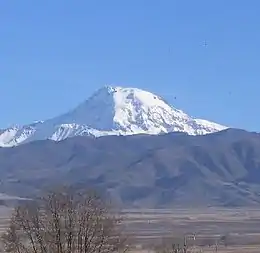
(233, 230)
(240, 227)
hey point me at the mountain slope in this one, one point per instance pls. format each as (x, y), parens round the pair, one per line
(112, 111)
(222, 168)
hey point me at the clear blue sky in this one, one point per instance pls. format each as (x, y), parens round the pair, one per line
(55, 53)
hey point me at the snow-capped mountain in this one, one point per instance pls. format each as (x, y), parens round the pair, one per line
(112, 111)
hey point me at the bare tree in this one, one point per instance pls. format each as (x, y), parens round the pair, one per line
(64, 222)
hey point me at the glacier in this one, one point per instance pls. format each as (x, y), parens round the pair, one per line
(112, 110)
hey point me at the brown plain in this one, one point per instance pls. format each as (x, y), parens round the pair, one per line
(150, 228)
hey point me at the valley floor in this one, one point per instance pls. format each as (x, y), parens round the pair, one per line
(234, 230)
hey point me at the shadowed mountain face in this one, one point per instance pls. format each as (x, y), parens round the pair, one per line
(142, 170)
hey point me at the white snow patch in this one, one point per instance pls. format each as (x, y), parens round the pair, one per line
(112, 111)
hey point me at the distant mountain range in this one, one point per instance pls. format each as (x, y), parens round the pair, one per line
(111, 111)
(221, 168)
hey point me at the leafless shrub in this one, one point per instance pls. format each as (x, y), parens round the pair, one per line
(172, 245)
(64, 222)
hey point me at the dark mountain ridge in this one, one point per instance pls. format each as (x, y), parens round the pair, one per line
(222, 168)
